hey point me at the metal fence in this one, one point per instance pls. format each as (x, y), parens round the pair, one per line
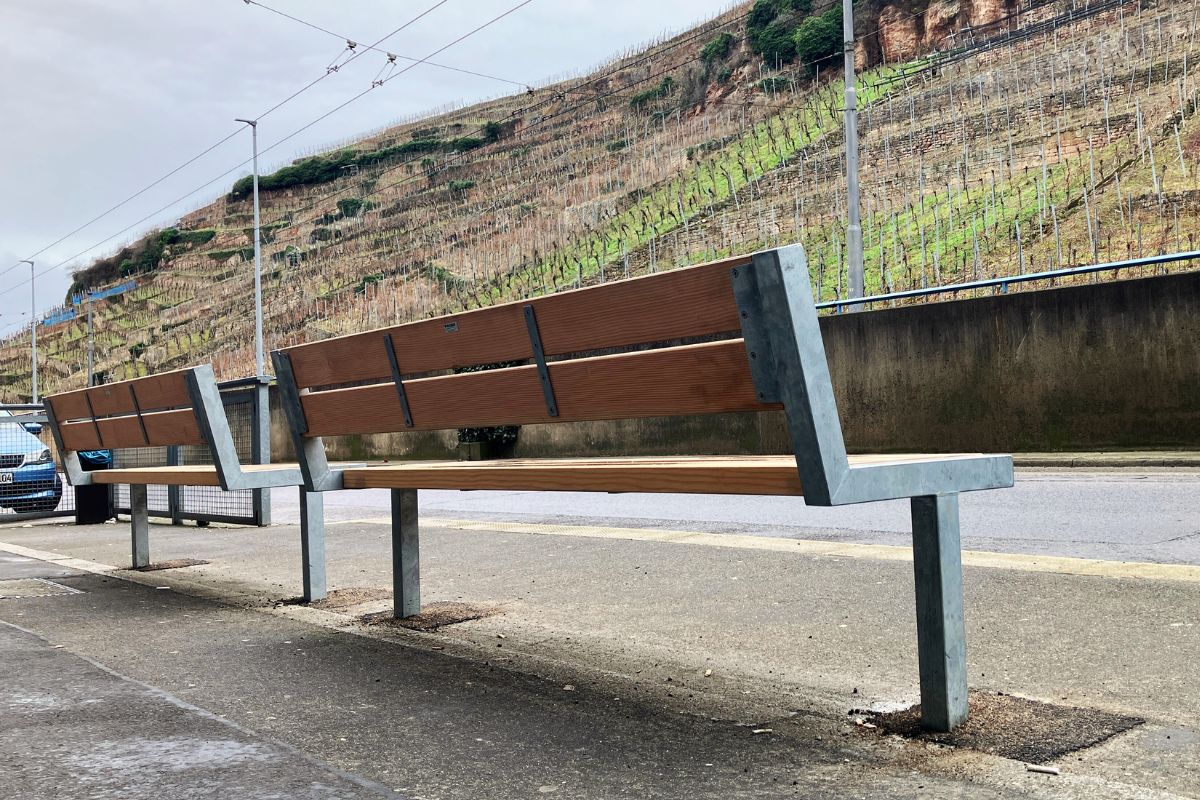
(1000, 285)
(30, 482)
(246, 408)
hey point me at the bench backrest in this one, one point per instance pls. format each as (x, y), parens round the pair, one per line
(170, 409)
(409, 377)
(155, 411)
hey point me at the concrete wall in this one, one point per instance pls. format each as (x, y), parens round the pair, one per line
(1092, 367)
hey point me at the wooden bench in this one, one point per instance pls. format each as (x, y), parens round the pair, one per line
(171, 409)
(736, 335)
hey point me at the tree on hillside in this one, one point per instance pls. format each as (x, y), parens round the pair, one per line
(776, 45)
(818, 40)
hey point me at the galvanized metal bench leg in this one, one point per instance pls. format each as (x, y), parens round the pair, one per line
(312, 544)
(139, 516)
(406, 557)
(941, 635)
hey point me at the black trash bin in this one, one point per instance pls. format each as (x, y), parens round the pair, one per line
(94, 504)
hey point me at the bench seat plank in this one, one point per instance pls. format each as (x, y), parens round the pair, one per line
(761, 475)
(189, 475)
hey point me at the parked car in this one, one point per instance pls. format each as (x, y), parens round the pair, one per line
(29, 480)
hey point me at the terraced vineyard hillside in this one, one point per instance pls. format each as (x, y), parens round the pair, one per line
(1061, 134)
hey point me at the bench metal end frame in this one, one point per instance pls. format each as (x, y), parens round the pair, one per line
(210, 414)
(789, 366)
(310, 450)
(787, 361)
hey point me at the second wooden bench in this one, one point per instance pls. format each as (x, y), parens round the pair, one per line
(166, 410)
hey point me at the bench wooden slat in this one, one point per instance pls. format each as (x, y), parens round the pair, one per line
(69, 405)
(173, 428)
(692, 379)
(696, 301)
(163, 428)
(154, 392)
(79, 435)
(187, 475)
(122, 432)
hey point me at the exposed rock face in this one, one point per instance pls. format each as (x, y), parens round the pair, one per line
(899, 34)
(941, 21)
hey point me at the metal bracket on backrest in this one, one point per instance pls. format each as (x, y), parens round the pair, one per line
(310, 450)
(137, 407)
(209, 410)
(539, 357)
(397, 380)
(787, 362)
(95, 423)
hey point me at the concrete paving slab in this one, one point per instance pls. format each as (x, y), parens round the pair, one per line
(793, 641)
(70, 728)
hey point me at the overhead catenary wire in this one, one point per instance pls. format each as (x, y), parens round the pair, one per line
(361, 49)
(366, 48)
(294, 133)
(456, 161)
(213, 147)
(390, 55)
(620, 66)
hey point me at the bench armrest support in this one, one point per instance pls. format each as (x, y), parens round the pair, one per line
(214, 425)
(76, 474)
(951, 475)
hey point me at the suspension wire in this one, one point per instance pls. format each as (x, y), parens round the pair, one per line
(390, 56)
(212, 147)
(285, 138)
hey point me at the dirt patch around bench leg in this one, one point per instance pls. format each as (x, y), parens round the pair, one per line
(434, 616)
(176, 563)
(1012, 727)
(344, 600)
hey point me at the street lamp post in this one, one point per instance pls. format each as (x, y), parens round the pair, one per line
(91, 345)
(854, 239)
(33, 325)
(258, 314)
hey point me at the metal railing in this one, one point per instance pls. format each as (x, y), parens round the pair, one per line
(1000, 285)
(247, 411)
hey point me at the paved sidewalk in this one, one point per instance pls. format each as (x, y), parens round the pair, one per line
(592, 679)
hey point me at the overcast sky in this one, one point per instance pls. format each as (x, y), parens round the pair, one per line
(101, 97)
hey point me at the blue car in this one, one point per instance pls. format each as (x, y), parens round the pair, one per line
(29, 480)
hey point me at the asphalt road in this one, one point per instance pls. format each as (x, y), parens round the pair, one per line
(1121, 515)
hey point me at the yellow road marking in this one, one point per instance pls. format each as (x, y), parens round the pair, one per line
(881, 552)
